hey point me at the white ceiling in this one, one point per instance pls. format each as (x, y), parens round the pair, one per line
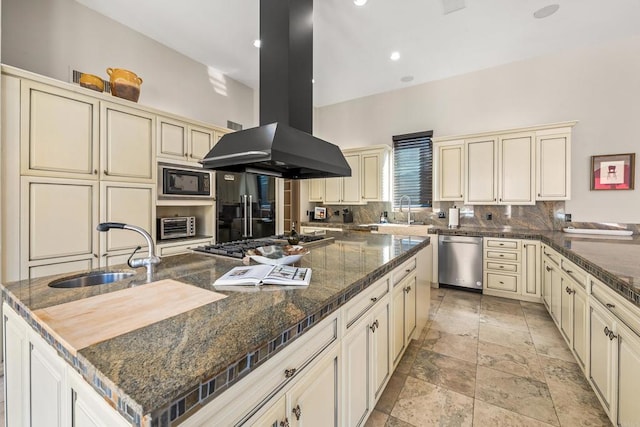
(352, 44)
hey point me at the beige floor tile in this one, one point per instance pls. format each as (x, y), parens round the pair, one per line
(575, 401)
(391, 393)
(528, 306)
(519, 340)
(395, 422)
(424, 404)
(408, 358)
(470, 304)
(459, 346)
(553, 346)
(506, 359)
(455, 325)
(540, 326)
(485, 415)
(377, 419)
(449, 372)
(504, 320)
(525, 396)
(500, 305)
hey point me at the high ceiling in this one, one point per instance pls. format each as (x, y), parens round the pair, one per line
(352, 44)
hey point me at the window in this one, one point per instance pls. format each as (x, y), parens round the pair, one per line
(412, 168)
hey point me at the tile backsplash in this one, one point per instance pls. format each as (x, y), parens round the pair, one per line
(548, 215)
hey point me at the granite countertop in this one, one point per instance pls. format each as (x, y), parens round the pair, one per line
(152, 371)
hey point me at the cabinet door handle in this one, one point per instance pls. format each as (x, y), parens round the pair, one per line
(567, 290)
(284, 423)
(297, 412)
(374, 325)
(106, 172)
(610, 305)
(548, 268)
(407, 289)
(606, 330)
(288, 373)
(95, 255)
(612, 335)
(95, 171)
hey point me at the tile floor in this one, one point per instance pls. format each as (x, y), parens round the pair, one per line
(487, 361)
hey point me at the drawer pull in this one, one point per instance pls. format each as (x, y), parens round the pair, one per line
(408, 270)
(501, 244)
(501, 255)
(297, 412)
(374, 299)
(502, 266)
(569, 271)
(288, 373)
(610, 305)
(501, 282)
(284, 423)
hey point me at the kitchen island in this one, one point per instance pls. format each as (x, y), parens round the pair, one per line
(156, 374)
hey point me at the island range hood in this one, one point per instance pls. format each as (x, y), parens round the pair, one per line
(282, 145)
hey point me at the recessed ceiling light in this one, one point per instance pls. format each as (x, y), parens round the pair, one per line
(406, 79)
(395, 56)
(359, 2)
(257, 43)
(546, 11)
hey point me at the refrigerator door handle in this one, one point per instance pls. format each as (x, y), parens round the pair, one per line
(244, 216)
(250, 221)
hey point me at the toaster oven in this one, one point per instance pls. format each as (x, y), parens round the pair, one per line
(176, 227)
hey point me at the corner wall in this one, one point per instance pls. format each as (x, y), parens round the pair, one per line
(598, 86)
(53, 37)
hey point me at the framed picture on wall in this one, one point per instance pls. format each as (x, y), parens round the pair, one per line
(613, 171)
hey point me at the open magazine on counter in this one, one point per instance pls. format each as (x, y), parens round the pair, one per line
(256, 275)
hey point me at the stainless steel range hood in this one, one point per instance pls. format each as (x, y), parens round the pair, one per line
(282, 145)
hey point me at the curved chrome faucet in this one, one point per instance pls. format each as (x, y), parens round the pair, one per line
(151, 259)
(404, 196)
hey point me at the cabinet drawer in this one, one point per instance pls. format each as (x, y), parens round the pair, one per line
(364, 301)
(403, 271)
(512, 268)
(576, 273)
(503, 244)
(505, 256)
(552, 255)
(624, 310)
(501, 282)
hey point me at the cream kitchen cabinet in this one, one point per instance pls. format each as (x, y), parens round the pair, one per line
(448, 171)
(375, 174)
(127, 144)
(42, 389)
(531, 270)
(499, 169)
(512, 268)
(573, 310)
(131, 204)
(345, 190)
(403, 298)
(614, 364)
(58, 234)
(178, 140)
(316, 189)
(59, 130)
(365, 352)
(553, 164)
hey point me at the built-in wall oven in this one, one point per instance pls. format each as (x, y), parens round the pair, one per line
(184, 182)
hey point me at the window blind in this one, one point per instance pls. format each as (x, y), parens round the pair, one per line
(412, 168)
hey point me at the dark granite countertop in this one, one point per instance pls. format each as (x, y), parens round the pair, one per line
(146, 371)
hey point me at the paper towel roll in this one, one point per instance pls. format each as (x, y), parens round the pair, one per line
(454, 217)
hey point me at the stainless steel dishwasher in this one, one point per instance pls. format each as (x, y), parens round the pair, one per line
(460, 261)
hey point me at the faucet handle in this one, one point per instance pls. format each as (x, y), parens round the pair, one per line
(130, 261)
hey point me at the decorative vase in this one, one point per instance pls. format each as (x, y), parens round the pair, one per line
(124, 84)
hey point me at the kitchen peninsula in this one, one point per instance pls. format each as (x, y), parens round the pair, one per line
(166, 373)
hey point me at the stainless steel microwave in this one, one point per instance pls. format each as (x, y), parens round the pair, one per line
(183, 182)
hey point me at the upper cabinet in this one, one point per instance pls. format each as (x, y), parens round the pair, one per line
(513, 167)
(369, 180)
(59, 132)
(448, 171)
(179, 140)
(553, 171)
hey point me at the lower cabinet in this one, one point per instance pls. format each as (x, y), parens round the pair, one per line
(404, 315)
(365, 358)
(42, 389)
(614, 366)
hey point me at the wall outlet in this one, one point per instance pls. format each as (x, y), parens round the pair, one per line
(441, 214)
(567, 217)
(489, 216)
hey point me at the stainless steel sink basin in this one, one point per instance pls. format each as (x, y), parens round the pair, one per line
(91, 279)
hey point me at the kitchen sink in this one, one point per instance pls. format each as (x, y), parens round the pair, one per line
(91, 279)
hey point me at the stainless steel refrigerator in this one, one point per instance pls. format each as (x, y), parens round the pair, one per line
(246, 206)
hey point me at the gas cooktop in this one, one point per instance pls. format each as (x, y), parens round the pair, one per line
(239, 248)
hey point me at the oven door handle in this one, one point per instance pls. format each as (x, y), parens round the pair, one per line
(244, 216)
(250, 215)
